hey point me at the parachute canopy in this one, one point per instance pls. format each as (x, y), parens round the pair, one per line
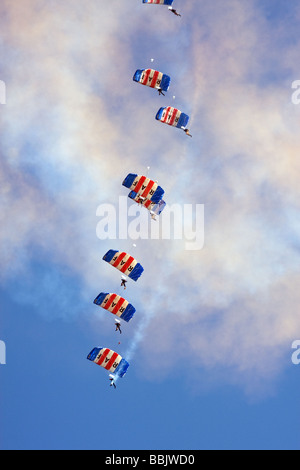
(173, 117)
(159, 2)
(110, 360)
(144, 187)
(155, 208)
(158, 208)
(153, 79)
(115, 304)
(124, 263)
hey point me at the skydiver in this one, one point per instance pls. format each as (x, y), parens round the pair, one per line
(161, 92)
(123, 283)
(118, 326)
(112, 382)
(187, 131)
(174, 11)
(141, 200)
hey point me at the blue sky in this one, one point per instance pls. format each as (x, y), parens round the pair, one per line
(210, 344)
(51, 398)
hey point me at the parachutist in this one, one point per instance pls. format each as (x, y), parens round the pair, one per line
(187, 132)
(174, 11)
(141, 200)
(112, 383)
(123, 283)
(118, 326)
(161, 92)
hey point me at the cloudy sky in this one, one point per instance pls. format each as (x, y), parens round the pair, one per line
(210, 344)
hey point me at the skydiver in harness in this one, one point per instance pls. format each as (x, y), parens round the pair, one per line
(118, 326)
(186, 131)
(141, 200)
(160, 92)
(123, 282)
(112, 383)
(153, 215)
(174, 11)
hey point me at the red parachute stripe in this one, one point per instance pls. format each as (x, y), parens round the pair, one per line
(155, 75)
(101, 360)
(172, 120)
(119, 259)
(140, 184)
(127, 264)
(148, 188)
(111, 361)
(117, 307)
(147, 73)
(147, 203)
(110, 301)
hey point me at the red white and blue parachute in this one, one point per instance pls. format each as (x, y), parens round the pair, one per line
(159, 2)
(172, 117)
(151, 206)
(115, 304)
(124, 263)
(153, 79)
(145, 192)
(109, 360)
(144, 187)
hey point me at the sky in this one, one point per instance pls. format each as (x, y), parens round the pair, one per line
(210, 345)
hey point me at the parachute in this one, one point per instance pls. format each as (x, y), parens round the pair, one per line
(145, 192)
(124, 263)
(153, 79)
(173, 117)
(109, 360)
(159, 2)
(158, 208)
(144, 187)
(116, 305)
(151, 206)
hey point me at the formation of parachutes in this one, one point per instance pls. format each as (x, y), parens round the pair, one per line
(148, 194)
